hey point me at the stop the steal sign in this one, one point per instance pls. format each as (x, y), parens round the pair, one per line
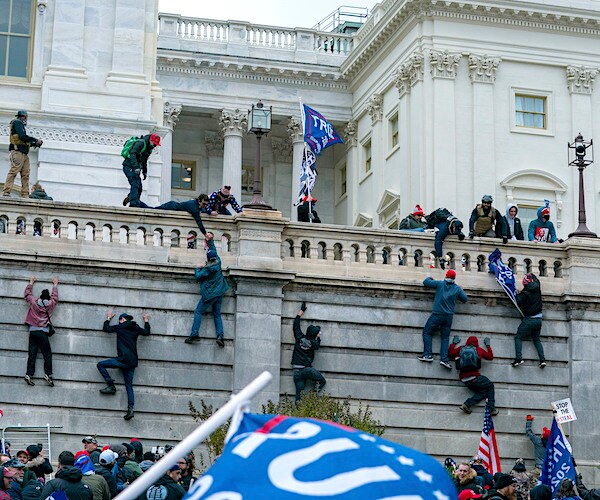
(564, 411)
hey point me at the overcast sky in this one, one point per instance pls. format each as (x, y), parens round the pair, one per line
(285, 13)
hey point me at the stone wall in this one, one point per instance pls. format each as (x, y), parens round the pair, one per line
(371, 314)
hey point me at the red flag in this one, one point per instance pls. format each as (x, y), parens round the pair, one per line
(488, 449)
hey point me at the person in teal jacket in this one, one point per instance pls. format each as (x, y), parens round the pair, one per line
(541, 229)
(212, 288)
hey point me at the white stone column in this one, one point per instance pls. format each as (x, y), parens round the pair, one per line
(38, 44)
(296, 132)
(213, 143)
(351, 140)
(68, 35)
(443, 71)
(482, 72)
(129, 38)
(375, 110)
(233, 124)
(170, 118)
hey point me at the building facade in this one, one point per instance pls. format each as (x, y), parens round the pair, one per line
(438, 104)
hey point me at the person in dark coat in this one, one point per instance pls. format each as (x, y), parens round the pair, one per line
(539, 442)
(127, 332)
(213, 286)
(305, 215)
(481, 471)
(505, 488)
(37, 463)
(31, 487)
(38, 192)
(218, 201)
(512, 224)
(90, 444)
(481, 386)
(567, 490)
(446, 224)
(542, 492)
(304, 355)
(186, 479)
(584, 493)
(68, 479)
(465, 478)
(529, 301)
(104, 468)
(193, 207)
(135, 164)
(166, 488)
(486, 221)
(138, 448)
(414, 221)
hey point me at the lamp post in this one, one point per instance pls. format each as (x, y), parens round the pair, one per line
(580, 147)
(259, 123)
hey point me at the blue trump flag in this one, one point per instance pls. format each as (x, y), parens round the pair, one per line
(318, 132)
(504, 276)
(558, 463)
(279, 457)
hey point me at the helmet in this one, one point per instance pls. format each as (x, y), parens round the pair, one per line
(487, 198)
(155, 139)
(21, 112)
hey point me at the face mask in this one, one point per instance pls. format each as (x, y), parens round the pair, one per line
(546, 218)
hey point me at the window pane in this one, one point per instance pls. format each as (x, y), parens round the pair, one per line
(519, 103)
(3, 39)
(4, 10)
(21, 16)
(18, 55)
(175, 175)
(539, 105)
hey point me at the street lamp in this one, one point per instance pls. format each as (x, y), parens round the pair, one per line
(259, 123)
(579, 148)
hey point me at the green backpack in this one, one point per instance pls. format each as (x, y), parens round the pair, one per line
(129, 144)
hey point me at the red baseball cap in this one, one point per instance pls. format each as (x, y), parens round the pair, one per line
(466, 494)
(451, 273)
(155, 139)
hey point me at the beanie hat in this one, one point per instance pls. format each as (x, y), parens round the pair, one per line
(545, 433)
(519, 465)
(545, 211)
(174, 468)
(487, 198)
(418, 210)
(528, 278)
(503, 481)
(33, 450)
(451, 273)
(80, 453)
(211, 254)
(312, 331)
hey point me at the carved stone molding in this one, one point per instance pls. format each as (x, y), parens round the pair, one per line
(375, 108)
(444, 64)
(282, 150)
(213, 141)
(171, 114)
(41, 6)
(482, 69)
(295, 131)
(233, 122)
(77, 136)
(580, 79)
(350, 134)
(409, 73)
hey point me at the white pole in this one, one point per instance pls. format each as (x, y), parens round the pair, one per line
(141, 484)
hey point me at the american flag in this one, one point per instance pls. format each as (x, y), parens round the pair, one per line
(488, 449)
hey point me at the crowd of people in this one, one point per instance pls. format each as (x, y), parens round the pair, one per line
(92, 473)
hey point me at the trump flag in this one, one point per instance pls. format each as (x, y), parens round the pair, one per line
(504, 276)
(279, 457)
(318, 132)
(558, 463)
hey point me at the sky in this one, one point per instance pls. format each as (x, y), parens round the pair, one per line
(285, 13)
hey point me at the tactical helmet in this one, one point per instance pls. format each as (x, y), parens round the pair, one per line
(487, 198)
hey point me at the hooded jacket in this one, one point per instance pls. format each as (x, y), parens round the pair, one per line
(36, 316)
(483, 473)
(212, 282)
(454, 352)
(529, 299)
(68, 479)
(539, 445)
(541, 230)
(139, 450)
(105, 472)
(31, 488)
(39, 465)
(169, 487)
(306, 345)
(139, 154)
(447, 292)
(127, 334)
(40, 194)
(513, 227)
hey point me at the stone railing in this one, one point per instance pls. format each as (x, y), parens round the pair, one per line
(333, 43)
(202, 29)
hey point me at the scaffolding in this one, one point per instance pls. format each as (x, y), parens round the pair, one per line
(345, 19)
(20, 437)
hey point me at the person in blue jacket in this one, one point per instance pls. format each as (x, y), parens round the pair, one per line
(541, 229)
(445, 223)
(447, 292)
(212, 288)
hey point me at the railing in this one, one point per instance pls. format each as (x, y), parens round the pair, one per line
(333, 43)
(202, 29)
(270, 36)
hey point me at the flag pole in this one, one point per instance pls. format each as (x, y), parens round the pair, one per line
(142, 483)
(305, 158)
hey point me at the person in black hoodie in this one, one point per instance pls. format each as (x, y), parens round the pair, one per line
(68, 479)
(127, 332)
(529, 301)
(482, 472)
(304, 354)
(135, 163)
(104, 468)
(37, 462)
(138, 448)
(166, 488)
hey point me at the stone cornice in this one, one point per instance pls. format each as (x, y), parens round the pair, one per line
(443, 64)
(580, 80)
(388, 18)
(171, 114)
(310, 76)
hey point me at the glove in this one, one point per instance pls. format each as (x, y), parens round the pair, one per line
(530, 418)
(303, 306)
(486, 341)
(471, 235)
(504, 240)
(455, 339)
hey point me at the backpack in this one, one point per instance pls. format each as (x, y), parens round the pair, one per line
(439, 215)
(129, 144)
(469, 359)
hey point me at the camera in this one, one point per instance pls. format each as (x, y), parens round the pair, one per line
(159, 451)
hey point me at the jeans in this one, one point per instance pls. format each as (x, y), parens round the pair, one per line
(39, 340)
(436, 321)
(128, 372)
(201, 309)
(135, 181)
(529, 327)
(304, 374)
(482, 388)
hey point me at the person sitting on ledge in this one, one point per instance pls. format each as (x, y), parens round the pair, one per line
(194, 207)
(38, 192)
(414, 221)
(218, 201)
(304, 214)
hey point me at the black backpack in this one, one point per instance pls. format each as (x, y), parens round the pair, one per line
(439, 215)
(468, 360)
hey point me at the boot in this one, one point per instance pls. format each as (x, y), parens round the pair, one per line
(126, 201)
(109, 389)
(129, 414)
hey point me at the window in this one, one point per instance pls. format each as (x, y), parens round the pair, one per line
(183, 174)
(367, 153)
(343, 180)
(530, 111)
(527, 213)
(16, 27)
(247, 180)
(394, 130)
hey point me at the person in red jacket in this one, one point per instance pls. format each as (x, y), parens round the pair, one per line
(38, 318)
(468, 362)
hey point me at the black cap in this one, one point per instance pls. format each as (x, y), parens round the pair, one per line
(21, 112)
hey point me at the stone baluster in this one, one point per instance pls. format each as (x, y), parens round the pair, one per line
(362, 255)
(99, 233)
(149, 238)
